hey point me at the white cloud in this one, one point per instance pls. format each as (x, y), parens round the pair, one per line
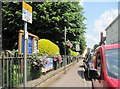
(105, 19)
(81, 2)
(100, 25)
(91, 40)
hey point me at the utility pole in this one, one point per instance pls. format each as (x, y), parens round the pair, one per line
(65, 41)
(65, 52)
(1, 74)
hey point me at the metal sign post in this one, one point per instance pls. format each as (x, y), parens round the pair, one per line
(27, 17)
(25, 55)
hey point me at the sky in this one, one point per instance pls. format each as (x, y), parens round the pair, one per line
(99, 15)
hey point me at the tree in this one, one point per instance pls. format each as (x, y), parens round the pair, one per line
(49, 21)
(11, 23)
(95, 46)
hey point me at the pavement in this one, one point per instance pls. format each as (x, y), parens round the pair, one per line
(74, 77)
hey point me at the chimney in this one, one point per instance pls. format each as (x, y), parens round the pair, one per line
(101, 37)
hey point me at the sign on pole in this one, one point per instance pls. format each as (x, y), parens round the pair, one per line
(26, 12)
(77, 47)
(27, 17)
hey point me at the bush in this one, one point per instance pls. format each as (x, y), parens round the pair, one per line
(47, 47)
(73, 53)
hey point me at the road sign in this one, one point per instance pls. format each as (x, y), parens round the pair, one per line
(26, 12)
(77, 47)
(27, 17)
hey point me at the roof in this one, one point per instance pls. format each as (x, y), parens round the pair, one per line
(113, 22)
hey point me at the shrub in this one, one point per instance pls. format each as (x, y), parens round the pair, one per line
(47, 47)
(73, 53)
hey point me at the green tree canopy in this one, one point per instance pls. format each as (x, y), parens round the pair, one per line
(49, 21)
(95, 46)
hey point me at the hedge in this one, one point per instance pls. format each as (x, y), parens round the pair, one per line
(47, 47)
(73, 53)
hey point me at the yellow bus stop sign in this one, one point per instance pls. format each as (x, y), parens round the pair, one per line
(26, 12)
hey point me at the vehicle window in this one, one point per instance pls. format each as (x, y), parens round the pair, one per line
(98, 66)
(112, 62)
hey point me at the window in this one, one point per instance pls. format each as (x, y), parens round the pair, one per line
(112, 62)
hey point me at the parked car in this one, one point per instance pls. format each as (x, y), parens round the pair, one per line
(106, 67)
(87, 63)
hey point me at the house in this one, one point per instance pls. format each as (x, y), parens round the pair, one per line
(112, 32)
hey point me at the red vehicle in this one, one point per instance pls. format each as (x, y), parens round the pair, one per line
(106, 67)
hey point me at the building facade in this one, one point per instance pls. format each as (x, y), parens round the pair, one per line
(112, 32)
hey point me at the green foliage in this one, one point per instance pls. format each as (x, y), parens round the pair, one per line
(47, 47)
(82, 44)
(49, 21)
(35, 72)
(11, 23)
(95, 46)
(16, 78)
(73, 53)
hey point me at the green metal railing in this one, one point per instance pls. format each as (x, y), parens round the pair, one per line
(11, 69)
